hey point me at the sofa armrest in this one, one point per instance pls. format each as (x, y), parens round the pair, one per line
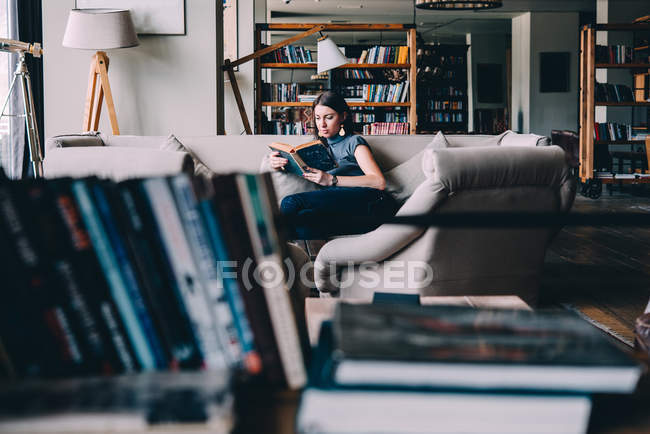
(380, 244)
(91, 138)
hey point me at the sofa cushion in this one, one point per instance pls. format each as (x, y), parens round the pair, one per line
(510, 138)
(286, 184)
(116, 163)
(402, 180)
(90, 138)
(173, 144)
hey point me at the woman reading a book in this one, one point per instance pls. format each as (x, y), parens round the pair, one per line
(354, 188)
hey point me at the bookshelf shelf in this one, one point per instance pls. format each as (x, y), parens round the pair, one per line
(346, 66)
(619, 142)
(623, 65)
(623, 104)
(351, 104)
(342, 80)
(625, 180)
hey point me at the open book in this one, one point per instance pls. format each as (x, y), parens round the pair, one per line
(311, 154)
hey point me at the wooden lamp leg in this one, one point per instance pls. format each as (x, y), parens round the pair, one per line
(96, 93)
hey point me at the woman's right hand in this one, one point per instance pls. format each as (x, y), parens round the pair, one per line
(276, 161)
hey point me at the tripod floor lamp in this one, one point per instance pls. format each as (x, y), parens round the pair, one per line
(329, 57)
(99, 29)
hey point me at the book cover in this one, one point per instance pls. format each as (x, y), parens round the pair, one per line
(312, 154)
(459, 347)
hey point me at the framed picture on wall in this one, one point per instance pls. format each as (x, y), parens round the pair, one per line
(230, 40)
(489, 83)
(151, 17)
(554, 72)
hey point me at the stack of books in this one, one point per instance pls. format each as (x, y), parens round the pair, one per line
(161, 274)
(401, 368)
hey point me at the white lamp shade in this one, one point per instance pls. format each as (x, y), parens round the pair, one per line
(100, 29)
(329, 55)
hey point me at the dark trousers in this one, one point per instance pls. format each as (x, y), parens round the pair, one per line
(318, 215)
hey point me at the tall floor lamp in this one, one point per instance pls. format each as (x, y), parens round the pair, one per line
(329, 57)
(99, 29)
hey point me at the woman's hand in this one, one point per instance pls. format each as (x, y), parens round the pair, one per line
(318, 176)
(276, 161)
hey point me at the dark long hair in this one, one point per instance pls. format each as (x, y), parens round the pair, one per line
(335, 102)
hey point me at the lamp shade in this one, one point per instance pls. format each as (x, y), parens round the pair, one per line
(329, 55)
(100, 29)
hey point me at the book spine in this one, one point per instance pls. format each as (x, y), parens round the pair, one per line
(94, 285)
(170, 230)
(228, 207)
(206, 262)
(275, 288)
(116, 240)
(168, 309)
(109, 263)
(83, 320)
(47, 324)
(252, 360)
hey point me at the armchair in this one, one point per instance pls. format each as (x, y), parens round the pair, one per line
(458, 261)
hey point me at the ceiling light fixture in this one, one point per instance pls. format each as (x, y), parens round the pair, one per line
(458, 4)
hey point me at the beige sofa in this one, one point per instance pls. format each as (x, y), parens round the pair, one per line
(499, 173)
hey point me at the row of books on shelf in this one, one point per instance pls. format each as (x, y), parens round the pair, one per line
(146, 275)
(438, 91)
(617, 54)
(410, 368)
(612, 131)
(357, 74)
(607, 92)
(383, 54)
(289, 54)
(436, 73)
(445, 105)
(445, 117)
(386, 128)
(386, 92)
(282, 127)
(285, 92)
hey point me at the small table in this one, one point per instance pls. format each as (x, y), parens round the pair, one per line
(318, 310)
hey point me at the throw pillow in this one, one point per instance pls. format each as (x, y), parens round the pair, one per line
(286, 184)
(173, 144)
(401, 181)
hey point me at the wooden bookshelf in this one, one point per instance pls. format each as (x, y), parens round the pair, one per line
(409, 66)
(588, 103)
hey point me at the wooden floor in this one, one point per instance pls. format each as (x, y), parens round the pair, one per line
(602, 270)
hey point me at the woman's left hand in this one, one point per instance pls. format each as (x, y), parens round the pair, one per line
(318, 176)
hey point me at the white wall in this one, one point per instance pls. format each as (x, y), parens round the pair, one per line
(246, 74)
(168, 84)
(533, 33)
(554, 32)
(521, 63)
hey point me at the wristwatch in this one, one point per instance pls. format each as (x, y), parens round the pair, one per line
(335, 180)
